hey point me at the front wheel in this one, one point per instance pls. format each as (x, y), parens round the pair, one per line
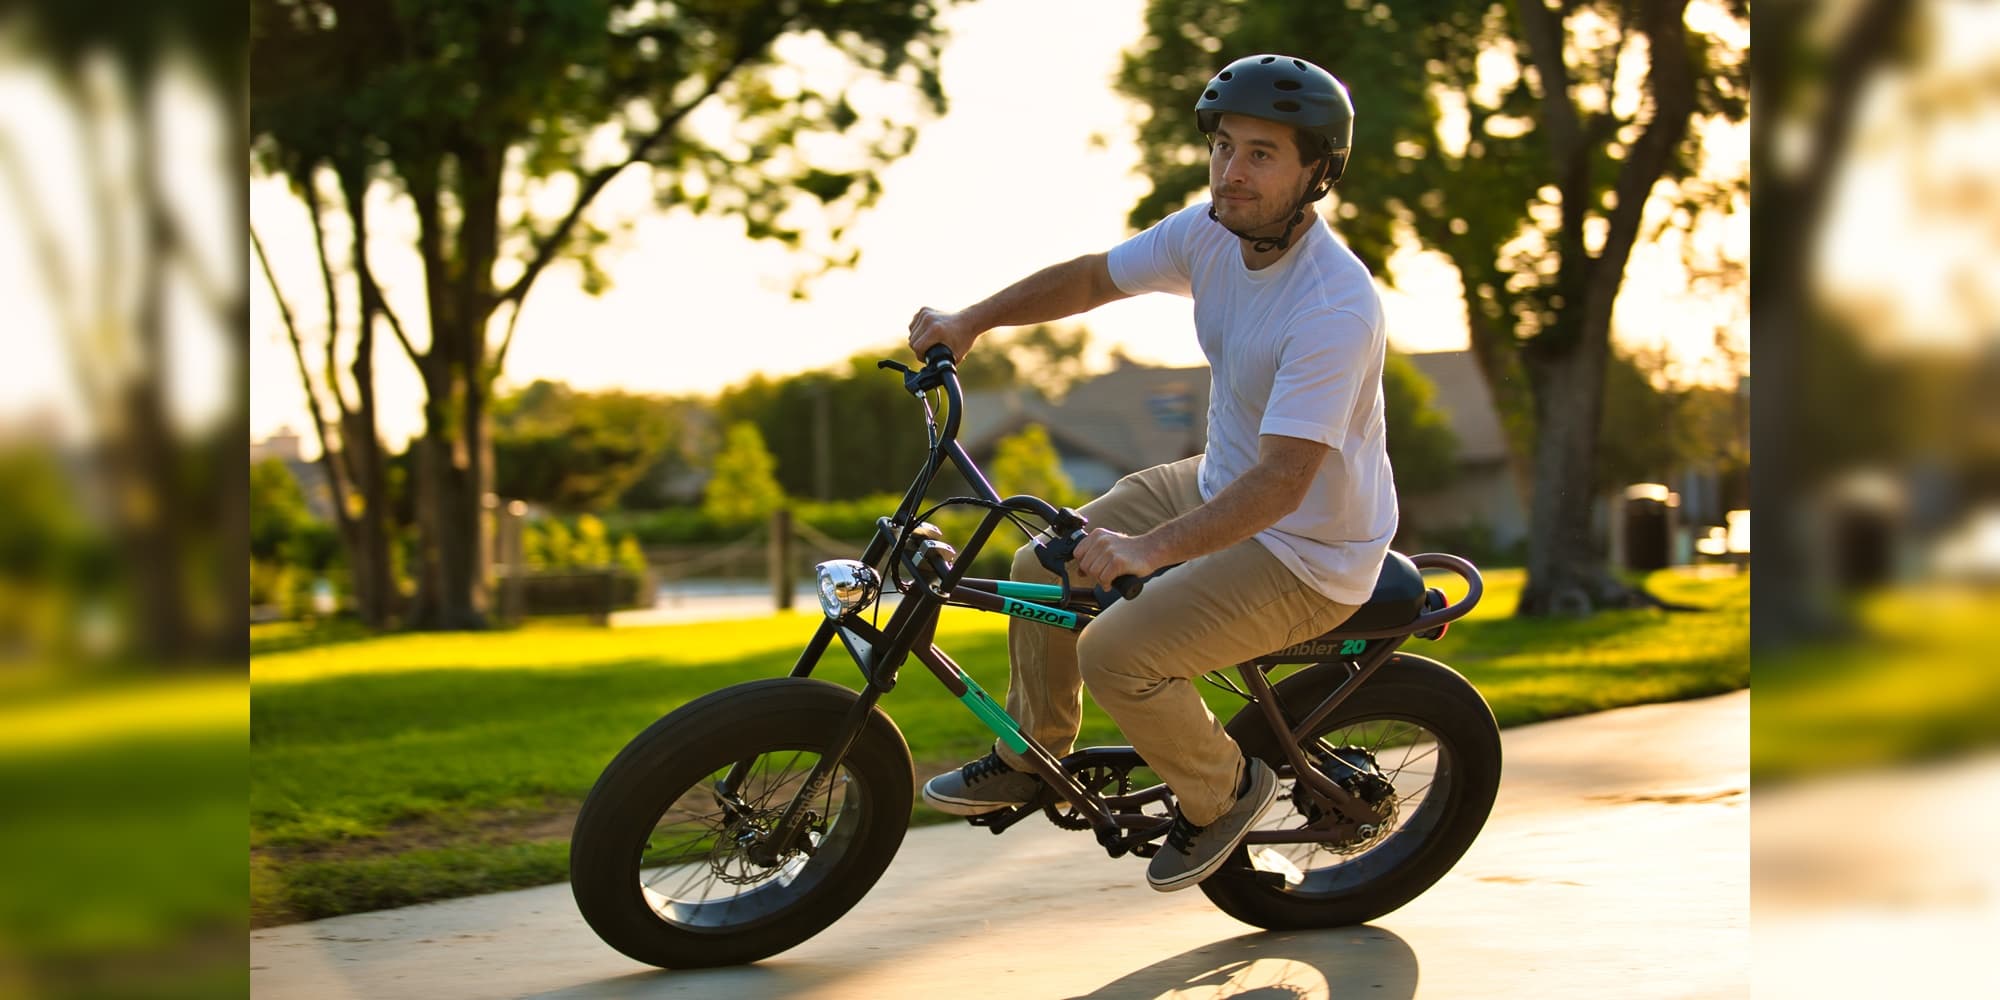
(664, 860)
(1419, 743)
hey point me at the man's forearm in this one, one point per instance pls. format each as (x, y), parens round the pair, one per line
(1245, 507)
(1052, 293)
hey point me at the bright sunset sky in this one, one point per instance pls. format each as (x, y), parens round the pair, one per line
(1007, 182)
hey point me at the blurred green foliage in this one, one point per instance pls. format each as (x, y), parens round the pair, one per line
(1421, 441)
(560, 448)
(585, 543)
(844, 432)
(1914, 681)
(1026, 462)
(743, 488)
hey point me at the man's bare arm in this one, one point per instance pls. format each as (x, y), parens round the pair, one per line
(1274, 487)
(1065, 289)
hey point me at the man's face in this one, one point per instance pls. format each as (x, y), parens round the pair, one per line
(1254, 173)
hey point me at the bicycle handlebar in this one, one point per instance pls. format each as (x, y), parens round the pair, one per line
(938, 359)
(1062, 548)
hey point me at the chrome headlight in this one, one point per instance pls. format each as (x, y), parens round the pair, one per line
(846, 585)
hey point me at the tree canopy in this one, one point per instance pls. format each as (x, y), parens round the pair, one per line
(495, 127)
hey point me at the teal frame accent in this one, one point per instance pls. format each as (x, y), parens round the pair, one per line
(990, 712)
(1029, 591)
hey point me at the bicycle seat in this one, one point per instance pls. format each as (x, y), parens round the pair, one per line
(1398, 600)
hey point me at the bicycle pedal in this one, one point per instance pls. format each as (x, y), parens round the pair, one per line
(1000, 819)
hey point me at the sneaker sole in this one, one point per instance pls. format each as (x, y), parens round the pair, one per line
(1196, 875)
(965, 807)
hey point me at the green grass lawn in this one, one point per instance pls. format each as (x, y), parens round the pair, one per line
(391, 770)
(1914, 681)
(121, 854)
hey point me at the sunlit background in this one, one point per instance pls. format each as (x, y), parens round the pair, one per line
(141, 356)
(123, 706)
(1877, 473)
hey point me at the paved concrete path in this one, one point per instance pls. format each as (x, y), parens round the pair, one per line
(1616, 864)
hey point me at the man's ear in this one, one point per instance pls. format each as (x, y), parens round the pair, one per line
(1322, 182)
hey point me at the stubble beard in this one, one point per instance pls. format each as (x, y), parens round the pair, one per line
(1274, 223)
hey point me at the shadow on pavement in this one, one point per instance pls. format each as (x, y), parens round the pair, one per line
(1348, 961)
(729, 981)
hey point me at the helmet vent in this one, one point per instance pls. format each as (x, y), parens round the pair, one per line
(1267, 60)
(1211, 95)
(1287, 84)
(1300, 65)
(1292, 106)
(1224, 76)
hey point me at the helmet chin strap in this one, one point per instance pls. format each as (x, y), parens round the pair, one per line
(1265, 244)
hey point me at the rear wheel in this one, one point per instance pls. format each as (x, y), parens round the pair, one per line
(1418, 742)
(669, 864)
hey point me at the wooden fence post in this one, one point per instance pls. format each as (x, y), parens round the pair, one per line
(781, 558)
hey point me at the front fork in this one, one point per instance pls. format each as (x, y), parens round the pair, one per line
(772, 849)
(879, 654)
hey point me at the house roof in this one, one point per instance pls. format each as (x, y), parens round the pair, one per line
(1135, 417)
(1130, 418)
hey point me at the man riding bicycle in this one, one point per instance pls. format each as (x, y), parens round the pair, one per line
(1282, 522)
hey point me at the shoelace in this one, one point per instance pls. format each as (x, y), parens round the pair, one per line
(1181, 835)
(984, 768)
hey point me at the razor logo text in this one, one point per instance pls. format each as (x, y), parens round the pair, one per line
(1036, 613)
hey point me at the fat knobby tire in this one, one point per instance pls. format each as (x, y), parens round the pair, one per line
(1410, 688)
(685, 747)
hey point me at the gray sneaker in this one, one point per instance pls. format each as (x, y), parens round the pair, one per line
(982, 786)
(1193, 853)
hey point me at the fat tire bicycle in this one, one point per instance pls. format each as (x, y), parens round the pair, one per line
(750, 819)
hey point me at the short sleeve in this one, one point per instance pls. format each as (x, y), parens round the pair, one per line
(1155, 260)
(1322, 365)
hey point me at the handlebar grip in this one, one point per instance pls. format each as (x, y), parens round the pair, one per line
(1128, 586)
(938, 353)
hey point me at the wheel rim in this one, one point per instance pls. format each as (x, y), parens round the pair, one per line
(695, 868)
(1420, 767)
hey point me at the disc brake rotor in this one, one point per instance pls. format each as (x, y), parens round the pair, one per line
(1353, 769)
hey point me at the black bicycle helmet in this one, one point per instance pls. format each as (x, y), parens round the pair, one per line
(1289, 91)
(1286, 90)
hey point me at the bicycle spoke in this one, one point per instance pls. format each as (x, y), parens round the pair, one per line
(696, 864)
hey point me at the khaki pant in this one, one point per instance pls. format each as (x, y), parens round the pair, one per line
(1140, 657)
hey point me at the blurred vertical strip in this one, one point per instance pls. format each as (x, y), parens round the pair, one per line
(1876, 457)
(123, 411)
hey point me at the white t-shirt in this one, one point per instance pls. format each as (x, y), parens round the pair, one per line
(1294, 349)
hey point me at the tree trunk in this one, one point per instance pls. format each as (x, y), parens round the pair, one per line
(454, 451)
(1794, 603)
(450, 595)
(150, 474)
(1567, 574)
(1566, 361)
(374, 578)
